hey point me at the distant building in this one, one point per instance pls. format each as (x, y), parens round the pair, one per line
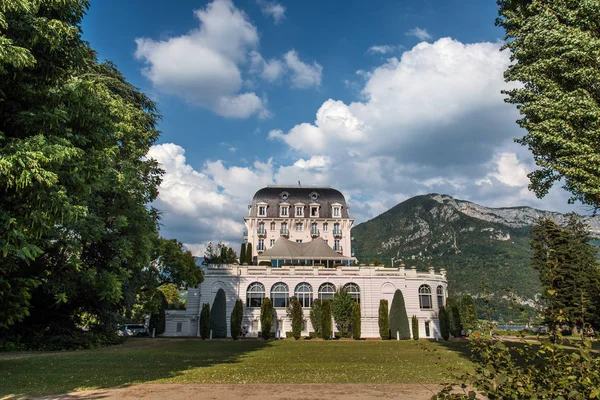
(304, 236)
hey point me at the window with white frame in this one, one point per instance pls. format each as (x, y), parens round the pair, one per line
(304, 294)
(262, 211)
(336, 211)
(261, 227)
(273, 226)
(284, 228)
(326, 291)
(280, 294)
(325, 227)
(261, 245)
(299, 211)
(353, 291)
(440, 296)
(336, 245)
(299, 226)
(284, 211)
(314, 211)
(271, 243)
(425, 297)
(255, 294)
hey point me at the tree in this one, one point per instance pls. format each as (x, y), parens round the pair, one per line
(555, 48)
(468, 312)
(356, 321)
(316, 316)
(415, 327)
(219, 255)
(171, 293)
(444, 323)
(158, 318)
(173, 263)
(398, 317)
(384, 321)
(243, 254)
(266, 318)
(342, 306)
(454, 314)
(218, 315)
(326, 316)
(77, 233)
(249, 258)
(294, 311)
(236, 319)
(205, 321)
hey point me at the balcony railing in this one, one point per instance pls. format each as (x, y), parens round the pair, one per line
(337, 233)
(261, 231)
(314, 232)
(339, 249)
(284, 232)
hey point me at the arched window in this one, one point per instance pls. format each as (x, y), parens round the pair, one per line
(304, 294)
(440, 296)
(326, 291)
(280, 294)
(353, 290)
(425, 297)
(255, 294)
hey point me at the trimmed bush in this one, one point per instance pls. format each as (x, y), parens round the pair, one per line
(384, 320)
(313, 335)
(236, 319)
(415, 327)
(205, 321)
(454, 315)
(243, 254)
(342, 310)
(326, 320)
(356, 322)
(266, 318)
(289, 335)
(294, 311)
(158, 319)
(316, 311)
(218, 315)
(398, 317)
(249, 259)
(444, 323)
(265, 263)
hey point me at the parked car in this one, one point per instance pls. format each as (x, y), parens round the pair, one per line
(138, 330)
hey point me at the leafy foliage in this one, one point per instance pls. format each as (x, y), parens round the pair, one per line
(342, 306)
(468, 312)
(218, 315)
(316, 317)
(158, 319)
(294, 311)
(171, 293)
(555, 50)
(356, 322)
(219, 255)
(205, 321)
(249, 258)
(398, 317)
(415, 327)
(243, 254)
(454, 316)
(266, 318)
(384, 320)
(326, 315)
(236, 319)
(444, 323)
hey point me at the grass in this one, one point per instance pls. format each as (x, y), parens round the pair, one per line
(196, 361)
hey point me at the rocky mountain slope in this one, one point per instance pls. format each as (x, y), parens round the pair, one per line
(475, 244)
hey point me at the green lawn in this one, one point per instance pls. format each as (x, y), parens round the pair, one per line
(248, 361)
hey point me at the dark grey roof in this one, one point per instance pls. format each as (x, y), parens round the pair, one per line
(316, 249)
(296, 194)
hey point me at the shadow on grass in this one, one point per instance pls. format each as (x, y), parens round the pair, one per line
(116, 366)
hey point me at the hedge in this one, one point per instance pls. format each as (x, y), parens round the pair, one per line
(398, 317)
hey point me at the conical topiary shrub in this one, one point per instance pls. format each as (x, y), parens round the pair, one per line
(243, 254)
(415, 327)
(399, 318)
(218, 315)
(444, 323)
(248, 258)
(384, 320)
(205, 321)
(236, 319)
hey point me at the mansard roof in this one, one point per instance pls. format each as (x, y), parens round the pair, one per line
(325, 197)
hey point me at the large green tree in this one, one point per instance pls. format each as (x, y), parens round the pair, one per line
(342, 306)
(555, 54)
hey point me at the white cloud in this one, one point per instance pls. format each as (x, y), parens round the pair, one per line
(303, 75)
(203, 66)
(510, 170)
(272, 9)
(419, 33)
(383, 49)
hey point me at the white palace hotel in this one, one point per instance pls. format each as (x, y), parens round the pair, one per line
(302, 246)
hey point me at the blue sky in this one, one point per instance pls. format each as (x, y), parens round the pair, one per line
(383, 100)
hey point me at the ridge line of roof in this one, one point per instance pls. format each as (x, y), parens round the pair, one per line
(299, 187)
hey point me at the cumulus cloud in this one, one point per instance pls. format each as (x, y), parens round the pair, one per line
(383, 49)
(303, 75)
(272, 9)
(419, 33)
(203, 66)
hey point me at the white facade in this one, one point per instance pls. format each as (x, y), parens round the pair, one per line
(374, 283)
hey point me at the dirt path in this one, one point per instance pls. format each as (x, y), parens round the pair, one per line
(256, 392)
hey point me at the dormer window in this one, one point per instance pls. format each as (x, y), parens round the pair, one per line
(336, 211)
(299, 211)
(283, 211)
(262, 211)
(314, 211)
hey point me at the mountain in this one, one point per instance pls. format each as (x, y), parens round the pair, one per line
(474, 243)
